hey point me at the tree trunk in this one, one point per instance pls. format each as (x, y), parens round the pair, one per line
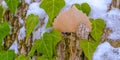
(67, 49)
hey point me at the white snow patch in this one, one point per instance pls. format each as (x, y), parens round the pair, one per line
(37, 34)
(22, 33)
(112, 19)
(4, 4)
(21, 20)
(69, 3)
(106, 52)
(14, 47)
(28, 1)
(98, 7)
(35, 9)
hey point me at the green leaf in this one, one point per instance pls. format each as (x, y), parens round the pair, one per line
(34, 48)
(44, 58)
(41, 58)
(52, 8)
(7, 55)
(84, 7)
(46, 45)
(98, 26)
(31, 22)
(88, 47)
(1, 13)
(78, 6)
(12, 4)
(22, 57)
(4, 30)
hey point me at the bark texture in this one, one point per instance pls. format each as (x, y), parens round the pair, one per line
(67, 49)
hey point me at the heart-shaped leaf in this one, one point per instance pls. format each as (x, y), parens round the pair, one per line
(12, 4)
(7, 55)
(31, 22)
(46, 45)
(4, 30)
(22, 57)
(52, 8)
(84, 7)
(88, 47)
(98, 26)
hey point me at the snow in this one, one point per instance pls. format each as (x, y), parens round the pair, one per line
(22, 33)
(28, 1)
(106, 52)
(71, 2)
(4, 4)
(34, 8)
(98, 7)
(21, 20)
(14, 47)
(112, 19)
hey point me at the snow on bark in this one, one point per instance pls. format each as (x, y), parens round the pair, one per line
(106, 52)
(99, 8)
(112, 19)
(34, 8)
(14, 47)
(28, 1)
(21, 21)
(22, 33)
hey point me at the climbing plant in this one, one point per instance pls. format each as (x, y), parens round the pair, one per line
(45, 47)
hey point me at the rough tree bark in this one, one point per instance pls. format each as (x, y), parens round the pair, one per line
(67, 49)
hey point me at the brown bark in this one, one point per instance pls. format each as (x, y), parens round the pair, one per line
(67, 49)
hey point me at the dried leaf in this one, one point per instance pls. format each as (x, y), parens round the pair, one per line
(69, 20)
